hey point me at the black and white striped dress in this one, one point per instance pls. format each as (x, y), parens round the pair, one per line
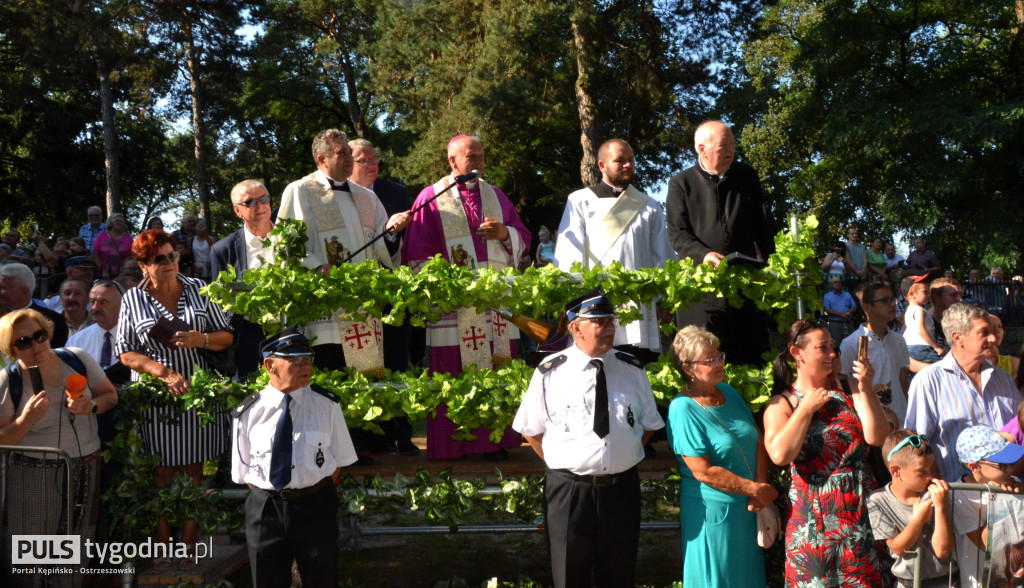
(187, 442)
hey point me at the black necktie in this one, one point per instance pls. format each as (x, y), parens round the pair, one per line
(281, 450)
(600, 400)
(342, 187)
(106, 352)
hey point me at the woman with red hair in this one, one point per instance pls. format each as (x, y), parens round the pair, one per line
(163, 324)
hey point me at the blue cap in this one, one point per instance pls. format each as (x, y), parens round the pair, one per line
(83, 260)
(287, 343)
(983, 443)
(593, 304)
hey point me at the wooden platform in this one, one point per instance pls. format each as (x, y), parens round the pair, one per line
(226, 560)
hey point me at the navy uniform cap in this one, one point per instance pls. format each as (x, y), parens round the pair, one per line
(83, 260)
(287, 343)
(593, 304)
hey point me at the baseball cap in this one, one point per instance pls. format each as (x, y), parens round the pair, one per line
(983, 443)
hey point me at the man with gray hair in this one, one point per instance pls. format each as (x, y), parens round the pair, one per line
(961, 390)
(16, 285)
(94, 227)
(715, 208)
(341, 217)
(244, 250)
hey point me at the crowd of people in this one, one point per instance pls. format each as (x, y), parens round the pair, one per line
(871, 408)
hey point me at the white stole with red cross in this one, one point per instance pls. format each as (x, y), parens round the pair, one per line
(476, 331)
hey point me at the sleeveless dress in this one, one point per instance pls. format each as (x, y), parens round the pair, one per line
(828, 536)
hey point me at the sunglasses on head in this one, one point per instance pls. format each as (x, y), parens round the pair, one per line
(26, 343)
(162, 259)
(252, 202)
(913, 440)
(807, 324)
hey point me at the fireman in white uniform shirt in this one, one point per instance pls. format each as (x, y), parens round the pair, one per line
(588, 412)
(290, 441)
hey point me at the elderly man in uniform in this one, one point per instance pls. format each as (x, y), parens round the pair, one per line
(289, 443)
(472, 224)
(614, 221)
(587, 413)
(716, 208)
(341, 217)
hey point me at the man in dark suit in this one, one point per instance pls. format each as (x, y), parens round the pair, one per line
(243, 250)
(396, 201)
(17, 282)
(715, 208)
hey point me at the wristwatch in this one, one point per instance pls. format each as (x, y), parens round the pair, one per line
(94, 407)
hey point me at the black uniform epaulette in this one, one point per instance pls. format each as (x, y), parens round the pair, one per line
(630, 359)
(243, 406)
(552, 363)
(325, 393)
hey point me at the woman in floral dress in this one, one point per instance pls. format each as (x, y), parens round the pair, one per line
(822, 431)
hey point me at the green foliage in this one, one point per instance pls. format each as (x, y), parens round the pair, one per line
(285, 288)
(901, 116)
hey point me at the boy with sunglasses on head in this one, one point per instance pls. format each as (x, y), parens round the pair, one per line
(912, 513)
(991, 459)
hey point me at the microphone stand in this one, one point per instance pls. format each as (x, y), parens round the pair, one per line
(466, 178)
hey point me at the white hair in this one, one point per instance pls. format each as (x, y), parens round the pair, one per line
(21, 274)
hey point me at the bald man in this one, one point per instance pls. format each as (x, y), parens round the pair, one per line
(472, 224)
(715, 208)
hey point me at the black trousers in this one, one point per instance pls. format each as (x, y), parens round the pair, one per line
(593, 531)
(743, 331)
(306, 530)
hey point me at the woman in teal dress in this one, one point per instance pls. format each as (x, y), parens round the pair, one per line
(724, 469)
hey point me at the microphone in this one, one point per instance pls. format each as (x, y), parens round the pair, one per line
(74, 387)
(467, 177)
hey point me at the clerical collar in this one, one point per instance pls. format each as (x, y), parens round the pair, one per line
(330, 183)
(713, 175)
(605, 190)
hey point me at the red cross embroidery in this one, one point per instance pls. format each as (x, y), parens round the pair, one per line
(357, 336)
(474, 338)
(378, 333)
(499, 324)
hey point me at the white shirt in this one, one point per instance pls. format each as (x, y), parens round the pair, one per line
(318, 427)
(643, 244)
(559, 405)
(90, 340)
(254, 249)
(888, 356)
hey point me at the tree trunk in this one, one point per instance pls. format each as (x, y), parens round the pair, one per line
(111, 163)
(356, 112)
(584, 44)
(198, 127)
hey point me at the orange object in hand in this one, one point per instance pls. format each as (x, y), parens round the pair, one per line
(74, 386)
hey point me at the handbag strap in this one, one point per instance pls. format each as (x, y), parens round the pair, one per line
(744, 455)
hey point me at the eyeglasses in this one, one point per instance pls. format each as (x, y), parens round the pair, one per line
(170, 258)
(887, 301)
(913, 440)
(367, 162)
(710, 362)
(295, 359)
(26, 343)
(601, 320)
(807, 324)
(253, 202)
